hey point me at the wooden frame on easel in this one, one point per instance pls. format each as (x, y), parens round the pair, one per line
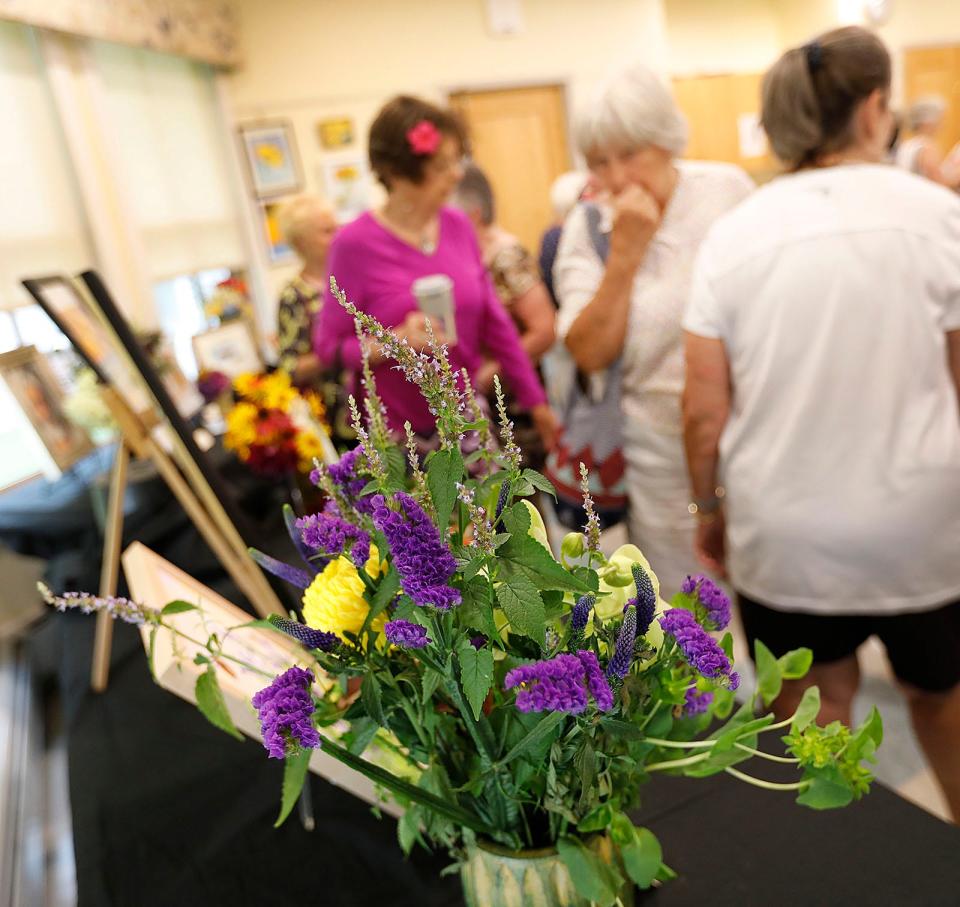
(84, 310)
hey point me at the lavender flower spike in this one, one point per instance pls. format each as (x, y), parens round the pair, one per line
(406, 634)
(286, 712)
(117, 607)
(619, 665)
(581, 613)
(700, 650)
(306, 636)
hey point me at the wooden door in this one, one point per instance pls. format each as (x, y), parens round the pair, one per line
(519, 139)
(714, 106)
(935, 70)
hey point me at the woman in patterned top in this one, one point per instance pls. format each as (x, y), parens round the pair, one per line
(308, 225)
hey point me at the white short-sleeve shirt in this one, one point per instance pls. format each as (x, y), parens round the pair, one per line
(832, 291)
(652, 376)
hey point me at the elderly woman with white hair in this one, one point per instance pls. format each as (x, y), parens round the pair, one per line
(919, 154)
(655, 211)
(308, 226)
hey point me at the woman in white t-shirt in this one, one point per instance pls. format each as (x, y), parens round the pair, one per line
(919, 153)
(823, 364)
(655, 210)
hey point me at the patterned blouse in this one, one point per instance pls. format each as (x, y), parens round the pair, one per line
(510, 265)
(299, 306)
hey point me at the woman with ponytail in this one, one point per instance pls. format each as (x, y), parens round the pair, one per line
(823, 368)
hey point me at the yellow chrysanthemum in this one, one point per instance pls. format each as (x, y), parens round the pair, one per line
(334, 601)
(308, 447)
(246, 384)
(276, 391)
(241, 428)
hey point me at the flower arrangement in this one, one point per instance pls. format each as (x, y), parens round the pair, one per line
(527, 697)
(213, 385)
(229, 300)
(273, 427)
(86, 408)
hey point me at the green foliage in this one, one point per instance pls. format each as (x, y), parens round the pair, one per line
(592, 878)
(639, 849)
(444, 470)
(294, 774)
(521, 603)
(769, 673)
(476, 674)
(211, 703)
(177, 607)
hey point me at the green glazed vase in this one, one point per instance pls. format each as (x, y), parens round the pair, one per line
(493, 876)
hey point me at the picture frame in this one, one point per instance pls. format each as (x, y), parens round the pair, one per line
(270, 152)
(335, 133)
(230, 348)
(154, 581)
(346, 185)
(279, 251)
(34, 386)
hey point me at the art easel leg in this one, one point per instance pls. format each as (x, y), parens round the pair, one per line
(110, 566)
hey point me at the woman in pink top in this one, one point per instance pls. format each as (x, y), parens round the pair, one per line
(416, 151)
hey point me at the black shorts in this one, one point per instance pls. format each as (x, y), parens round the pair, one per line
(923, 646)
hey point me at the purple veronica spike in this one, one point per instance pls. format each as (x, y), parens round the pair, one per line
(424, 563)
(596, 682)
(406, 634)
(619, 665)
(331, 535)
(699, 648)
(646, 599)
(581, 613)
(307, 636)
(503, 498)
(696, 702)
(293, 575)
(286, 710)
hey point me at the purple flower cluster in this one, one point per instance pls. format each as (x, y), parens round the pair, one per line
(424, 563)
(646, 600)
(286, 709)
(699, 648)
(581, 613)
(406, 634)
(561, 684)
(344, 475)
(212, 384)
(715, 603)
(696, 702)
(331, 535)
(306, 636)
(619, 664)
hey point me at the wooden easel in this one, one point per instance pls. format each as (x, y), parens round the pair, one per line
(198, 501)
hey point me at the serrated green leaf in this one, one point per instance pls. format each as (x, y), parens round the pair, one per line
(769, 678)
(211, 703)
(795, 664)
(639, 849)
(520, 601)
(476, 610)
(362, 732)
(177, 607)
(476, 674)
(807, 710)
(828, 788)
(370, 696)
(386, 593)
(540, 482)
(294, 774)
(444, 470)
(592, 878)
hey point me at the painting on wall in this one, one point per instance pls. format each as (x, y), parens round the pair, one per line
(279, 251)
(346, 184)
(335, 133)
(270, 152)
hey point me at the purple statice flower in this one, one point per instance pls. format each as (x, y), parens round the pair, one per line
(700, 649)
(646, 600)
(713, 601)
(696, 702)
(689, 585)
(306, 636)
(406, 634)
(557, 685)
(286, 711)
(345, 477)
(596, 682)
(581, 613)
(332, 535)
(619, 664)
(424, 563)
(116, 606)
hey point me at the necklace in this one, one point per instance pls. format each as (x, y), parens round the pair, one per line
(424, 240)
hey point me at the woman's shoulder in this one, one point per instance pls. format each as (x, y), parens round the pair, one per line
(717, 176)
(357, 232)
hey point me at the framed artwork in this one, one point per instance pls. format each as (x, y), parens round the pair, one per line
(230, 348)
(279, 252)
(34, 386)
(269, 149)
(335, 133)
(346, 184)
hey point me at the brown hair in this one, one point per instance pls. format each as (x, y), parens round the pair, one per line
(811, 93)
(391, 155)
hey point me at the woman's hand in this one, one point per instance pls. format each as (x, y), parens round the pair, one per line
(483, 383)
(547, 424)
(709, 545)
(636, 218)
(413, 329)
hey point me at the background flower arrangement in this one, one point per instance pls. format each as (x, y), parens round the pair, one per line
(526, 699)
(228, 300)
(273, 427)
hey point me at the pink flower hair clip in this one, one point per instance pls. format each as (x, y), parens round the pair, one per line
(424, 138)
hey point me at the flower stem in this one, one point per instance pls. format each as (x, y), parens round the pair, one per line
(679, 744)
(217, 654)
(677, 763)
(766, 785)
(769, 756)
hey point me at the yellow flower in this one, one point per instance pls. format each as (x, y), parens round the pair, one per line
(334, 601)
(246, 384)
(276, 391)
(241, 429)
(308, 447)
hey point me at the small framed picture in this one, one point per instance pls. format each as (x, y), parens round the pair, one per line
(346, 183)
(269, 149)
(230, 348)
(335, 133)
(279, 250)
(34, 386)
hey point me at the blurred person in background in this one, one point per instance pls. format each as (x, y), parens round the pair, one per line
(655, 212)
(567, 189)
(416, 150)
(919, 154)
(823, 371)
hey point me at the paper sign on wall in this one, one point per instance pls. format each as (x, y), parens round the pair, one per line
(752, 138)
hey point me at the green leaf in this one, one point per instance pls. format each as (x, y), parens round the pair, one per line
(370, 696)
(259, 624)
(476, 611)
(542, 483)
(476, 674)
(211, 703)
(597, 819)
(545, 726)
(177, 607)
(867, 737)
(520, 600)
(429, 683)
(523, 555)
(808, 709)
(795, 663)
(362, 732)
(828, 788)
(769, 679)
(444, 470)
(727, 739)
(151, 651)
(592, 878)
(639, 848)
(386, 593)
(294, 774)
(727, 645)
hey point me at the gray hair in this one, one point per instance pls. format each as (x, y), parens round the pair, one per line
(632, 109)
(926, 110)
(566, 190)
(474, 193)
(294, 216)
